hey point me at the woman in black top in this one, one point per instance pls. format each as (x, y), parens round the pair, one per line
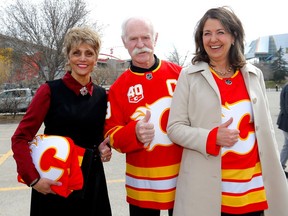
(73, 107)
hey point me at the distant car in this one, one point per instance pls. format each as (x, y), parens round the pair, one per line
(15, 100)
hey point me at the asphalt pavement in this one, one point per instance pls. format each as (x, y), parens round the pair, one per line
(15, 197)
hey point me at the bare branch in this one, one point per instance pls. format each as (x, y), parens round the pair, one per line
(40, 29)
(176, 58)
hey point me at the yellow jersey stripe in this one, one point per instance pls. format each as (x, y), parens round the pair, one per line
(241, 174)
(154, 172)
(244, 200)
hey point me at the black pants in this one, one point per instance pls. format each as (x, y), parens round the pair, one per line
(259, 213)
(138, 211)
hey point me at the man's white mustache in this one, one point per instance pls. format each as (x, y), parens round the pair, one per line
(144, 49)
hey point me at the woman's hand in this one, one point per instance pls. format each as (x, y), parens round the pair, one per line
(44, 186)
(225, 136)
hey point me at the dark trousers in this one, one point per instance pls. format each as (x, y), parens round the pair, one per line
(138, 211)
(260, 213)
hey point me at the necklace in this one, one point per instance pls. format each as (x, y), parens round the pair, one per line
(220, 72)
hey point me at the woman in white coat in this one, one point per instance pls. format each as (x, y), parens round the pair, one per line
(220, 115)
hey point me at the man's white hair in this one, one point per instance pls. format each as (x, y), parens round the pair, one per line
(144, 19)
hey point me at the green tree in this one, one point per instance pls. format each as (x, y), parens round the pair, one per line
(38, 30)
(279, 66)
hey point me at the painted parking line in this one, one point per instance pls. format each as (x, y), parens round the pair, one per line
(5, 156)
(14, 188)
(25, 187)
(115, 181)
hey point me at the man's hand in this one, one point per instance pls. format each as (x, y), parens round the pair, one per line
(144, 130)
(105, 150)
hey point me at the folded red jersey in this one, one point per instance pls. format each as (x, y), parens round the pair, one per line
(59, 159)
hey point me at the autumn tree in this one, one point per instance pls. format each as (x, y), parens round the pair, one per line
(38, 30)
(5, 64)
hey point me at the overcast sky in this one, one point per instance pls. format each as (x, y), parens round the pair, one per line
(175, 20)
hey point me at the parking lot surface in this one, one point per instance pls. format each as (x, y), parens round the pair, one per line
(15, 197)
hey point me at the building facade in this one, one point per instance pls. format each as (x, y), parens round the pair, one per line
(263, 49)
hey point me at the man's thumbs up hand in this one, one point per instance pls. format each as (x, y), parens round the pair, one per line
(144, 130)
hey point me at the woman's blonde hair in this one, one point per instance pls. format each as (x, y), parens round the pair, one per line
(79, 35)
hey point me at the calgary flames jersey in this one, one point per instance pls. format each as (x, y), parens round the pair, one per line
(152, 168)
(58, 158)
(242, 184)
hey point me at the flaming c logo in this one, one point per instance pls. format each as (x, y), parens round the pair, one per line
(44, 148)
(243, 121)
(159, 116)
